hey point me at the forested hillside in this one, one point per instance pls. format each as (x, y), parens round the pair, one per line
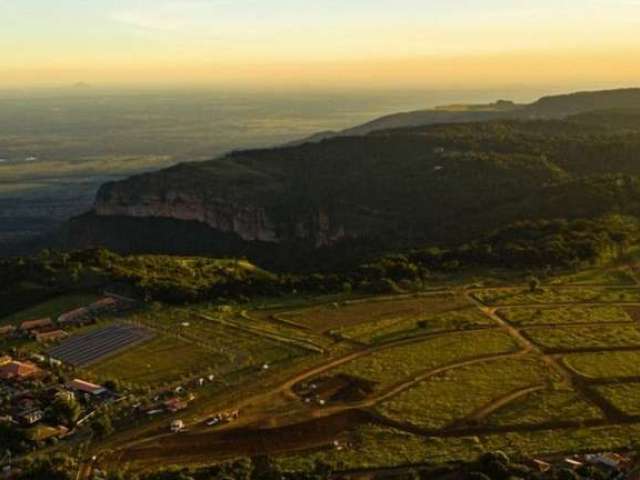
(359, 197)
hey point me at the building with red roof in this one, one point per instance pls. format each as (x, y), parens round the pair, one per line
(15, 370)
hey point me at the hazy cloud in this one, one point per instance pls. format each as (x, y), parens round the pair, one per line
(174, 15)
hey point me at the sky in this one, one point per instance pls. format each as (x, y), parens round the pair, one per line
(321, 43)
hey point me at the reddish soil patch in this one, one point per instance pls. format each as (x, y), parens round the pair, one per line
(221, 444)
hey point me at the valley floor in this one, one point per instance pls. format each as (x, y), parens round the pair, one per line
(429, 377)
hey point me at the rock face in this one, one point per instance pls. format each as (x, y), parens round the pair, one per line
(248, 221)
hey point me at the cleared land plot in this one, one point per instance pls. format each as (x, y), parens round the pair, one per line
(624, 396)
(370, 446)
(545, 406)
(202, 347)
(263, 323)
(162, 360)
(390, 366)
(51, 308)
(597, 277)
(460, 317)
(602, 365)
(552, 296)
(82, 350)
(564, 315)
(237, 346)
(451, 396)
(349, 314)
(546, 442)
(565, 339)
(374, 446)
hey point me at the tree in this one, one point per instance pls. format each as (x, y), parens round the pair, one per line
(101, 425)
(57, 467)
(534, 284)
(65, 409)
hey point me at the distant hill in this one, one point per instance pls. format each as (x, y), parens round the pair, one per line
(442, 184)
(565, 105)
(558, 106)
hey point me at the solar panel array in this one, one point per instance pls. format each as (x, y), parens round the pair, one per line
(83, 350)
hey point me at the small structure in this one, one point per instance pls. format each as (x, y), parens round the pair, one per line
(541, 465)
(77, 316)
(177, 426)
(51, 336)
(15, 370)
(86, 387)
(4, 359)
(106, 304)
(30, 417)
(7, 330)
(36, 325)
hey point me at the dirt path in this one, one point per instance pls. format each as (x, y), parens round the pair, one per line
(569, 377)
(265, 429)
(204, 446)
(577, 303)
(286, 387)
(541, 326)
(292, 341)
(496, 404)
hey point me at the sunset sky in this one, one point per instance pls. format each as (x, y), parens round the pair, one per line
(315, 43)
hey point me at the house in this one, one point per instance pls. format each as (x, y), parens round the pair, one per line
(79, 315)
(15, 370)
(51, 336)
(30, 417)
(86, 387)
(7, 330)
(106, 305)
(174, 405)
(32, 325)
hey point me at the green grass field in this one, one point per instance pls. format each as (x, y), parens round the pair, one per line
(188, 345)
(560, 315)
(453, 395)
(372, 446)
(597, 277)
(550, 296)
(545, 406)
(602, 336)
(393, 365)
(51, 308)
(459, 317)
(162, 360)
(626, 397)
(605, 364)
(239, 346)
(366, 315)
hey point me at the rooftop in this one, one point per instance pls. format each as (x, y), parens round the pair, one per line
(15, 369)
(86, 387)
(33, 324)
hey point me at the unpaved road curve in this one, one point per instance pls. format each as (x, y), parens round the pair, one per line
(497, 404)
(287, 386)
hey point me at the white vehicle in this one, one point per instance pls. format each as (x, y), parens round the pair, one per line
(177, 426)
(213, 421)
